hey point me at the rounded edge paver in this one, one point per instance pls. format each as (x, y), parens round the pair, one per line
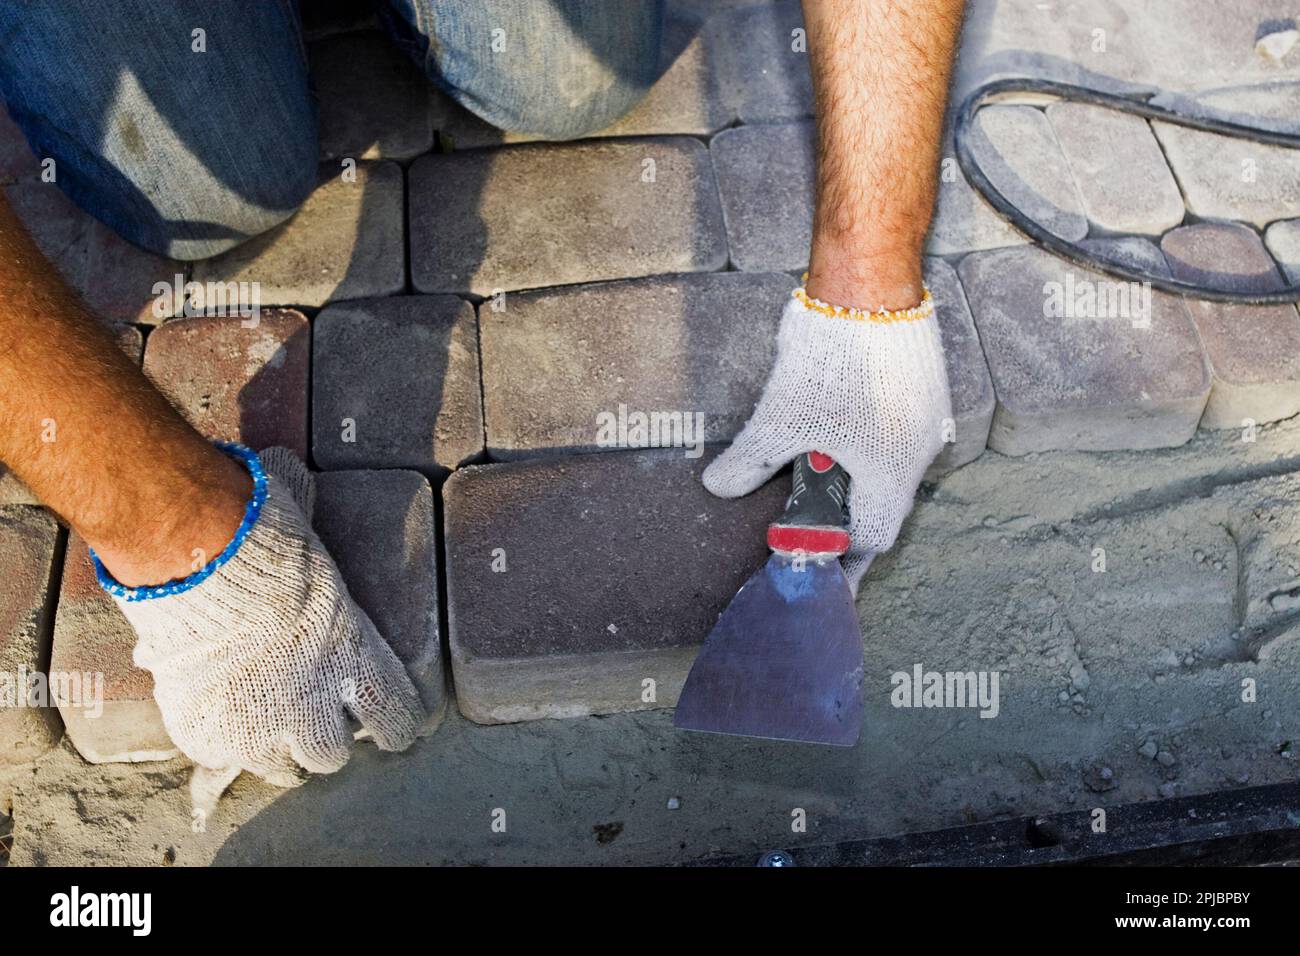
(1084, 380)
(1254, 350)
(234, 381)
(396, 385)
(559, 362)
(572, 582)
(544, 214)
(766, 178)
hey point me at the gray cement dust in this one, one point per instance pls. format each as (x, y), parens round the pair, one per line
(1120, 685)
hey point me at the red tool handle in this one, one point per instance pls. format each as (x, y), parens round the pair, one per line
(816, 516)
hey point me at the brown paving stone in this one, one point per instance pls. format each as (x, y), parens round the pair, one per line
(1088, 380)
(235, 383)
(765, 176)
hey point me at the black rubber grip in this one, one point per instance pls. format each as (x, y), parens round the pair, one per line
(817, 513)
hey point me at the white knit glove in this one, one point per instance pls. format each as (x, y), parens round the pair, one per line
(255, 666)
(871, 393)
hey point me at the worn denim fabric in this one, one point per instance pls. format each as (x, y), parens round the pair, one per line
(189, 153)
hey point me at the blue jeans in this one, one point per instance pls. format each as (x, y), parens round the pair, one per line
(189, 153)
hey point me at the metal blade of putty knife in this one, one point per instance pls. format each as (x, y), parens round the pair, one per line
(784, 660)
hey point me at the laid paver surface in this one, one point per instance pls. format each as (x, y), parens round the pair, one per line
(1123, 569)
(1197, 596)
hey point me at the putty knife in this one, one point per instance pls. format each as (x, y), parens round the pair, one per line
(784, 660)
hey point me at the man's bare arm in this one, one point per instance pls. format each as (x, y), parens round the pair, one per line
(92, 438)
(880, 72)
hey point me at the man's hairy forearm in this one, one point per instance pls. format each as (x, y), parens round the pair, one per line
(880, 72)
(83, 427)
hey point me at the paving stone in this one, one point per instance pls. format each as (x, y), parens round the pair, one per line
(1120, 173)
(538, 215)
(374, 101)
(13, 491)
(1283, 241)
(235, 383)
(346, 242)
(1224, 178)
(538, 638)
(766, 177)
(17, 161)
(1254, 351)
(559, 363)
(763, 63)
(28, 545)
(1018, 151)
(396, 385)
(1070, 381)
(92, 637)
(379, 527)
(969, 383)
(963, 220)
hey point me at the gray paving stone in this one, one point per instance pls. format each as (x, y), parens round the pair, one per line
(237, 383)
(963, 221)
(28, 544)
(92, 637)
(969, 383)
(1283, 241)
(346, 242)
(1076, 382)
(559, 362)
(538, 215)
(765, 174)
(539, 638)
(1018, 151)
(380, 529)
(763, 76)
(1224, 178)
(13, 491)
(396, 385)
(1254, 351)
(1120, 173)
(374, 101)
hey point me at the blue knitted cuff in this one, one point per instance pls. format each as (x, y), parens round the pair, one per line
(254, 465)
